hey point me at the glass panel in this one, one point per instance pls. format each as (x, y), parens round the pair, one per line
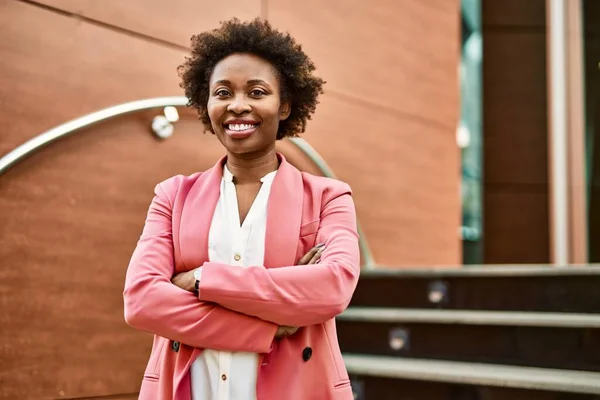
(469, 133)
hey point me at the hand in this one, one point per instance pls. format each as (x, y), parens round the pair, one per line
(313, 255)
(284, 331)
(185, 280)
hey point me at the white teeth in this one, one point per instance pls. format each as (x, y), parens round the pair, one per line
(240, 127)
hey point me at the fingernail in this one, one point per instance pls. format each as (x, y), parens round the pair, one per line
(320, 245)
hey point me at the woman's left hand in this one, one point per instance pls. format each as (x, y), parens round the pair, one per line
(184, 280)
(313, 256)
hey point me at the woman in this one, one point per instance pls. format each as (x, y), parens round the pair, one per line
(241, 269)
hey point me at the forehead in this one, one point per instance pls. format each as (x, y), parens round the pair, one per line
(242, 67)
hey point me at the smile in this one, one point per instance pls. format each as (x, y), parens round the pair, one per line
(240, 127)
(240, 130)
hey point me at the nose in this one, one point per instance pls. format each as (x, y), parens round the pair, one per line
(239, 105)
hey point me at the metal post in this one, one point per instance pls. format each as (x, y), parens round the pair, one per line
(557, 118)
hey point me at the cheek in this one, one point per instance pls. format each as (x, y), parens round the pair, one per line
(271, 114)
(214, 113)
(273, 120)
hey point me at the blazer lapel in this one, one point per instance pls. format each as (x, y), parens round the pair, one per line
(197, 214)
(284, 216)
(194, 227)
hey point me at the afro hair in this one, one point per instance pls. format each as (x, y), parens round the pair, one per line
(299, 86)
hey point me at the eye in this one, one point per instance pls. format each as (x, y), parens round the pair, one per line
(257, 93)
(222, 92)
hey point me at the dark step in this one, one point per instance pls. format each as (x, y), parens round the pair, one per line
(514, 288)
(383, 378)
(547, 340)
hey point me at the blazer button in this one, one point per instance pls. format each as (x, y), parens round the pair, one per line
(306, 353)
(175, 346)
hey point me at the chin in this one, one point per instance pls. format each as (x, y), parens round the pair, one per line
(250, 145)
(240, 147)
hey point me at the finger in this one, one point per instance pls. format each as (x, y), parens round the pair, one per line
(290, 330)
(282, 331)
(317, 256)
(311, 253)
(306, 258)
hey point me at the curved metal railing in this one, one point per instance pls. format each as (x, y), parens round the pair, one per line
(44, 139)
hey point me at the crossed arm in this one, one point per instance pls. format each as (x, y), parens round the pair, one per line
(294, 295)
(154, 304)
(254, 300)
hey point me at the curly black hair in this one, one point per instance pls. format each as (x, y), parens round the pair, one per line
(299, 86)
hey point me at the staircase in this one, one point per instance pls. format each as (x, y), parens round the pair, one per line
(486, 333)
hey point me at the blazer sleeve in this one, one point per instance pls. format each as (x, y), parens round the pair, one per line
(154, 304)
(295, 295)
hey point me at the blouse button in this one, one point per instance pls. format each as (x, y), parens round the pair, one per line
(237, 257)
(224, 377)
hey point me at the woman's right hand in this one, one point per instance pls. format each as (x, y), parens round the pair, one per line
(284, 331)
(312, 257)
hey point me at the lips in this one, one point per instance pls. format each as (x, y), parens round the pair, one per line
(240, 128)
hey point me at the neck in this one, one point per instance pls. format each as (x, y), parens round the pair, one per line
(250, 168)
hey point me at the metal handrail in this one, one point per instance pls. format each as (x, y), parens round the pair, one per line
(44, 139)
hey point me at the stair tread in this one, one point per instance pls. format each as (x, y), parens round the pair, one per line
(470, 317)
(474, 373)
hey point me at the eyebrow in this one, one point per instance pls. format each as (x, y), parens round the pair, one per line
(257, 82)
(222, 82)
(250, 82)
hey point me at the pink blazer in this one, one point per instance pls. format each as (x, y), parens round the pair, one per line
(240, 309)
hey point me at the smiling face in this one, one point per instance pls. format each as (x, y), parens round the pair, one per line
(244, 104)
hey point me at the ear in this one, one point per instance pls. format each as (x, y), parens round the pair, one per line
(284, 111)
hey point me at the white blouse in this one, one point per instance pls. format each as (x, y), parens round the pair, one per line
(223, 375)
